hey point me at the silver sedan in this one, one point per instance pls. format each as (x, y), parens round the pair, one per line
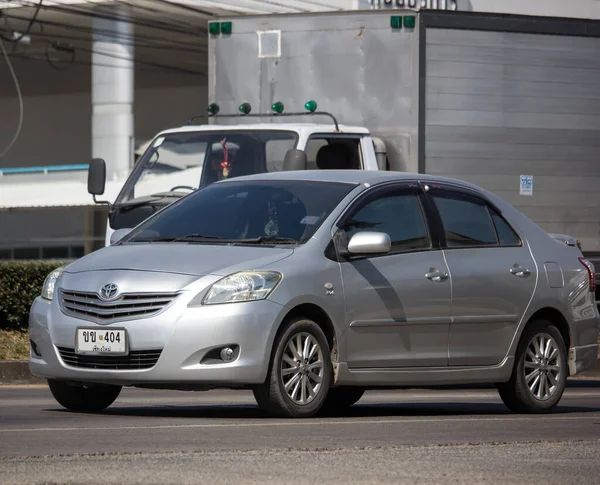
(308, 287)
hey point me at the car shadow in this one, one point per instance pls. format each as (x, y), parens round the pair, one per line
(367, 410)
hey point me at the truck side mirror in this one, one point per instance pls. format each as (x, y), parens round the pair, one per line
(97, 176)
(295, 160)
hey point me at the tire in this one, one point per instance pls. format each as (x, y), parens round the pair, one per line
(83, 397)
(517, 394)
(272, 396)
(339, 398)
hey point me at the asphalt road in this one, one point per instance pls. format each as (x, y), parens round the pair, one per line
(395, 437)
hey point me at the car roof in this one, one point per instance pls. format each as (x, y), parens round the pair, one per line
(357, 177)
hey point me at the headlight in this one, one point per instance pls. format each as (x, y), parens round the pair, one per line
(50, 283)
(242, 286)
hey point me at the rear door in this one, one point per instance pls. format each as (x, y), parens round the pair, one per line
(493, 275)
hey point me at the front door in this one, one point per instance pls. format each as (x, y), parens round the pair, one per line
(398, 304)
(493, 277)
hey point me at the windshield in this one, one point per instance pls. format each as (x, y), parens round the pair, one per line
(255, 212)
(178, 163)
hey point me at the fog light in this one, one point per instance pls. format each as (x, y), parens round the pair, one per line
(35, 349)
(227, 354)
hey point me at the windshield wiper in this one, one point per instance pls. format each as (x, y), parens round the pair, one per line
(197, 237)
(147, 200)
(188, 238)
(267, 239)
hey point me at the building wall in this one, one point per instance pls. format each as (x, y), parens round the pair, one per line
(57, 111)
(57, 130)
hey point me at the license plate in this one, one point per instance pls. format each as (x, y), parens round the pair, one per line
(101, 341)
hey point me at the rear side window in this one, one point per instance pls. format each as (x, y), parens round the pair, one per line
(506, 235)
(400, 216)
(466, 222)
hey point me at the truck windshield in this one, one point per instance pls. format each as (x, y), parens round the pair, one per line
(178, 163)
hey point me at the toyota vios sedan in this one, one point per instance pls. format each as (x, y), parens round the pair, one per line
(308, 287)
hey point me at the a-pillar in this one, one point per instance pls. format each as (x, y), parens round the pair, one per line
(112, 91)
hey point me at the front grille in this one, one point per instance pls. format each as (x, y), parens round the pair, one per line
(137, 359)
(130, 305)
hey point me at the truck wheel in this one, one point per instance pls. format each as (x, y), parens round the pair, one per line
(83, 397)
(540, 373)
(342, 397)
(299, 372)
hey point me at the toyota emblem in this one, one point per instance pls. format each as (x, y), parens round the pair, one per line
(109, 291)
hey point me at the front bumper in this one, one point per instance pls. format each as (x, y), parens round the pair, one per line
(183, 335)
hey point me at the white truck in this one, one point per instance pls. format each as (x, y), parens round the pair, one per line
(507, 102)
(183, 159)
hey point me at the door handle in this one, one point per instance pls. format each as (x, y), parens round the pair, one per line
(520, 272)
(436, 275)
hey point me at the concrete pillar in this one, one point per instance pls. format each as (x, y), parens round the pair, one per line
(112, 94)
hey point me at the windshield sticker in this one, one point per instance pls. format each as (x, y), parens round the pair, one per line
(159, 142)
(310, 220)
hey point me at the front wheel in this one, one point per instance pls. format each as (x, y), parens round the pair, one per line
(299, 372)
(540, 374)
(83, 397)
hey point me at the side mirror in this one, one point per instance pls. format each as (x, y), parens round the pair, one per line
(97, 176)
(295, 160)
(368, 242)
(118, 235)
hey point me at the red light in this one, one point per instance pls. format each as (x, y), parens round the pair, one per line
(591, 275)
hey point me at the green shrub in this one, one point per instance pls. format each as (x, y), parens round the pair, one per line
(20, 283)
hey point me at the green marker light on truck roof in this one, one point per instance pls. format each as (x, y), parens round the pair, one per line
(214, 28)
(245, 108)
(213, 109)
(310, 106)
(409, 22)
(226, 28)
(277, 107)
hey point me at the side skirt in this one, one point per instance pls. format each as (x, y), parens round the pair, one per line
(431, 376)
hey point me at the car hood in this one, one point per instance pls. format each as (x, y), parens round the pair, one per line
(187, 259)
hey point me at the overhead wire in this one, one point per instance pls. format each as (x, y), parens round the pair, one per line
(29, 26)
(182, 6)
(108, 32)
(16, 79)
(98, 14)
(169, 46)
(20, 99)
(127, 39)
(90, 63)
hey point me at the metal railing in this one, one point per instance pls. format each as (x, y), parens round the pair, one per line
(43, 169)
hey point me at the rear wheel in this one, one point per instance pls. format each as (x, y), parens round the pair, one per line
(83, 397)
(540, 373)
(299, 372)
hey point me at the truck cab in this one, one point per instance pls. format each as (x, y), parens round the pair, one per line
(181, 160)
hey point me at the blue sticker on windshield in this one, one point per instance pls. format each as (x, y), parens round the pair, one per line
(310, 220)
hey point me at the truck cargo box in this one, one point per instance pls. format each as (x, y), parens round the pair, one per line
(508, 102)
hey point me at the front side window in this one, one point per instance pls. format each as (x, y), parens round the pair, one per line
(246, 212)
(398, 215)
(466, 221)
(185, 161)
